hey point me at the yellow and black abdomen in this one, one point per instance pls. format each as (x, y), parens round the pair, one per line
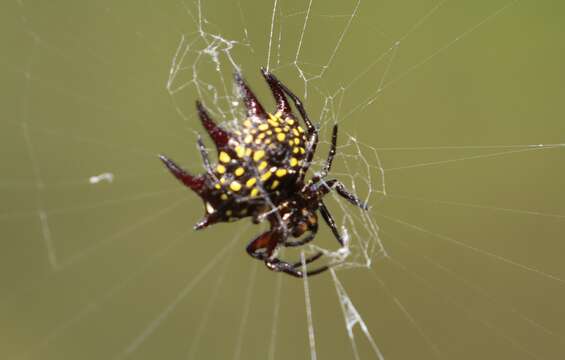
(262, 159)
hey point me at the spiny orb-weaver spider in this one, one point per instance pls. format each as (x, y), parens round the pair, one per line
(261, 173)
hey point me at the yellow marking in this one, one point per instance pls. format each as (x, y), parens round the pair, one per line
(258, 141)
(251, 182)
(297, 141)
(272, 122)
(295, 150)
(253, 131)
(238, 133)
(302, 151)
(224, 157)
(239, 171)
(274, 117)
(235, 186)
(261, 136)
(254, 192)
(248, 139)
(262, 166)
(229, 212)
(278, 130)
(258, 155)
(267, 141)
(266, 176)
(224, 197)
(240, 151)
(295, 132)
(289, 121)
(220, 169)
(281, 172)
(218, 186)
(248, 152)
(269, 132)
(263, 127)
(247, 123)
(286, 129)
(281, 137)
(293, 162)
(290, 142)
(223, 180)
(275, 184)
(300, 129)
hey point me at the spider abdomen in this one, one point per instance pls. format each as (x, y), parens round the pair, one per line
(262, 159)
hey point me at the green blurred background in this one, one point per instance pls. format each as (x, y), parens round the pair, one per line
(472, 225)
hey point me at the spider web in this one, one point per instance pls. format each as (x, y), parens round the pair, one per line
(208, 51)
(458, 256)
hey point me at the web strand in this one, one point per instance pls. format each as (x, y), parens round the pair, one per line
(164, 314)
(352, 318)
(477, 250)
(311, 336)
(245, 312)
(276, 309)
(88, 81)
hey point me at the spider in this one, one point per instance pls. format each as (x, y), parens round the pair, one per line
(261, 172)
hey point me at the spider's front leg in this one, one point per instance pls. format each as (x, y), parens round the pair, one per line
(291, 269)
(313, 230)
(263, 247)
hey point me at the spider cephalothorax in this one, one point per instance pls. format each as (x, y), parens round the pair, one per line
(261, 172)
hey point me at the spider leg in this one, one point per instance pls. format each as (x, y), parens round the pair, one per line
(331, 154)
(329, 159)
(309, 259)
(262, 246)
(290, 269)
(341, 190)
(313, 230)
(330, 221)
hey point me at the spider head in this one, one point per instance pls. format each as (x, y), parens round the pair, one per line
(297, 216)
(304, 219)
